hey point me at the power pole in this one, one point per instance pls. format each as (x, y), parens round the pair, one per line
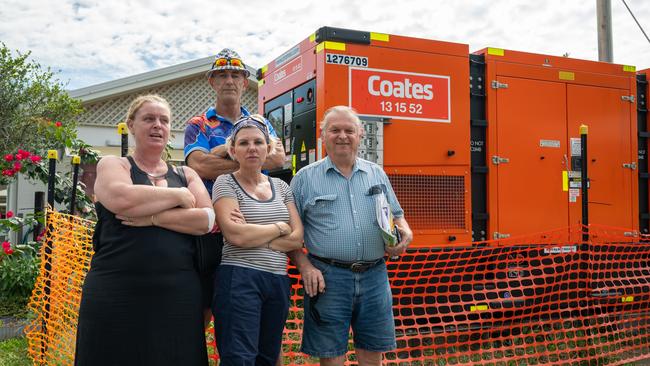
(604, 20)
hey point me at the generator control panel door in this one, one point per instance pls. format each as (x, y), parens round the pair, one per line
(531, 141)
(609, 148)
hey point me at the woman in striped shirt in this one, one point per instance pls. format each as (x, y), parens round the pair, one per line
(251, 300)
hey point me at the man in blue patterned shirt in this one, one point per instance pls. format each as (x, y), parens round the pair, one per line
(205, 136)
(344, 274)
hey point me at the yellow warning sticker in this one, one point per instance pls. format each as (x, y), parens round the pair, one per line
(629, 68)
(478, 308)
(566, 75)
(627, 299)
(379, 37)
(329, 45)
(303, 148)
(565, 181)
(496, 51)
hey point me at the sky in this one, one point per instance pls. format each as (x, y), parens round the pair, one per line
(86, 42)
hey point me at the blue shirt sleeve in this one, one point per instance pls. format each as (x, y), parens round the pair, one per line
(296, 188)
(195, 140)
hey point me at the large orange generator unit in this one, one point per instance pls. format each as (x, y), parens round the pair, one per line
(477, 147)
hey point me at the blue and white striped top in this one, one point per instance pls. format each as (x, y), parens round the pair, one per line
(255, 212)
(338, 213)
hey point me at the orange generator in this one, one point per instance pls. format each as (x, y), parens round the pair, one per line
(477, 147)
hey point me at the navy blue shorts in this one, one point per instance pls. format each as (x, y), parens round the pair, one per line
(250, 308)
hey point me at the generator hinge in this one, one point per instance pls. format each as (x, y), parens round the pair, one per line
(497, 85)
(498, 235)
(629, 98)
(631, 165)
(496, 160)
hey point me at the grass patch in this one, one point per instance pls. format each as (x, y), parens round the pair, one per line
(13, 352)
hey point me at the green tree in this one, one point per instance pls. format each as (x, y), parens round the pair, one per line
(32, 101)
(37, 115)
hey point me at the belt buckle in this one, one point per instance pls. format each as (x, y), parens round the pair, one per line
(358, 267)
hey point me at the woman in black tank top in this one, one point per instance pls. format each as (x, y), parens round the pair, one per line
(141, 300)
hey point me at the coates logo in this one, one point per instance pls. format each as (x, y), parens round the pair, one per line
(399, 89)
(403, 95)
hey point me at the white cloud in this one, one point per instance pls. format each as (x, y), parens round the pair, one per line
(93, 41)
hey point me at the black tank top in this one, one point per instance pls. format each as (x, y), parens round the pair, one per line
(151, 250)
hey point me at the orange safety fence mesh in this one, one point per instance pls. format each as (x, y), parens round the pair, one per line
(65, 259)
(546, 298)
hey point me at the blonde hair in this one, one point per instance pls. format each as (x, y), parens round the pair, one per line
(138, 102)
(340, 110)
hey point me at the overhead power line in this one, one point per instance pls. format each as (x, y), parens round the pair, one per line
(637, 22)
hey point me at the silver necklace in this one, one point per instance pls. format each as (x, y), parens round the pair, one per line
(153, 176)
(156, 177)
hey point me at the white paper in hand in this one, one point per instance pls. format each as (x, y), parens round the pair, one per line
(385, 219)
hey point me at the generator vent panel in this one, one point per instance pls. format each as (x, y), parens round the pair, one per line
(432, 202)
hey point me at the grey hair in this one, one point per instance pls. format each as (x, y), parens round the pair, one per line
(340, 110)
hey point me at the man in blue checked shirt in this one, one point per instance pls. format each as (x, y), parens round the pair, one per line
(205, 136)
(344, 274)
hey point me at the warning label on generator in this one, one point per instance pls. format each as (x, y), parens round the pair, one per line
(562, 249)
(397, 94)
(549, 143)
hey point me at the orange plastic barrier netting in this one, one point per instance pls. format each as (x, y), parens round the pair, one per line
(546, 298)
(65, 259)
(519, 302)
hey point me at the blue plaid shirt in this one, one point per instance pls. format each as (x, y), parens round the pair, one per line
(338, 213)
(208, 131)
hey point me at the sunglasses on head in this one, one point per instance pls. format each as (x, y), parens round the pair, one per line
(257, 118)
(225, 61)
(253, 119)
